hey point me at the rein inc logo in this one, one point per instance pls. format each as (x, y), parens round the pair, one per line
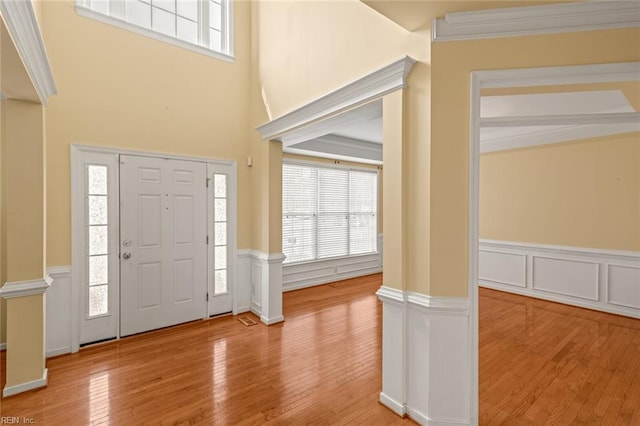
(17, 421)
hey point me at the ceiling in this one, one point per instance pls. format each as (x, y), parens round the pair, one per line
(416, 15)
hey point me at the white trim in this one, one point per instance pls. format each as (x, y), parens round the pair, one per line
(580, 74)
(356, 93)
(586, 275)
(128, 26)
(562, 120)
(424, 356)
(167, 155)
(22, 23)
(265, 277)
(391, 295)
(550, 76)
(3, 346)
(568, 250)
(23, 387)
(393, 405)
(14, 289)
(547, 19)
(339, 148)
(58, 301)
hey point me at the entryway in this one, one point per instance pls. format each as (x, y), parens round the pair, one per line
(153, 241)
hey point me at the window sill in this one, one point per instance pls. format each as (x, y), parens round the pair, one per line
(110, 20)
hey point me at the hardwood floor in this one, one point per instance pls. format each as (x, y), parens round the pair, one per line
(547, 363)
(322, 366)
(540, 363)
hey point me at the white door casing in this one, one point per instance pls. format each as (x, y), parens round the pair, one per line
(163, 228)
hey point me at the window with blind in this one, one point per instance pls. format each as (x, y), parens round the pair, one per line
(202, 25)
(328, 212)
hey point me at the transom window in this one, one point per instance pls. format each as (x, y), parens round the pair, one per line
(201, 24)
(328, 212)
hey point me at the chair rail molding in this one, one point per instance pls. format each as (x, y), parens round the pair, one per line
(25, 288)
(365, 89)
(532, 20)
(22, 24)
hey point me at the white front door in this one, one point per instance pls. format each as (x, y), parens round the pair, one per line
(163, 242)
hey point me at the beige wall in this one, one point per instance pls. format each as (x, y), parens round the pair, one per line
(120, 89)
(452, 63)
(584, 193)
(307, 49)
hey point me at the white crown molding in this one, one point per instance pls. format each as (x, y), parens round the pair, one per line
(22, 23)
(521, 21)
(25, 288)
(561, 120)
(550, 76)
(370, 87)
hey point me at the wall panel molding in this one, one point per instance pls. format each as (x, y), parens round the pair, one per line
(425, 346)
(604, 280)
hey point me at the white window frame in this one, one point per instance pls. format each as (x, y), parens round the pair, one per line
(117, 19)
(339, 166)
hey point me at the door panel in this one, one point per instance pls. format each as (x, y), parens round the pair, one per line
(163, 230)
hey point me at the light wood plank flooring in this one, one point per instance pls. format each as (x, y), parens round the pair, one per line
(547, 363)
(322, 366)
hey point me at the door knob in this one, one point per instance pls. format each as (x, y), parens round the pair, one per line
(126, 255)
(126, 243)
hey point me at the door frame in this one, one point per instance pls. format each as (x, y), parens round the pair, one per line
(79, 154)
(527, 77)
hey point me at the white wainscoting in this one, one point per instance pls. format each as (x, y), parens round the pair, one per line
(425, 357)
(58, 302)
(604, 280)
(264, 272)
(297, 276)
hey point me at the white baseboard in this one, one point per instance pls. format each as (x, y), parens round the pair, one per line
(272, 320)
(393, 405)
(425, 356)
(23, 387)
(603, 280)
(3, 346)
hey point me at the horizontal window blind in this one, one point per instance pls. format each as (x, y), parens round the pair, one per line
(328, 212)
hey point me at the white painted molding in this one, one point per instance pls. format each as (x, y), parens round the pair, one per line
(372, 86)
(3, 346)
(562, 120)
(550, 76)
(23, 387)
(265, 276)
(438, 305)
(603, 280)
(424, 356)
(391, 295)
(22, 24)
(521, 21)
(340, 147)
(25, 288)
(565, 250)
(58, 331)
